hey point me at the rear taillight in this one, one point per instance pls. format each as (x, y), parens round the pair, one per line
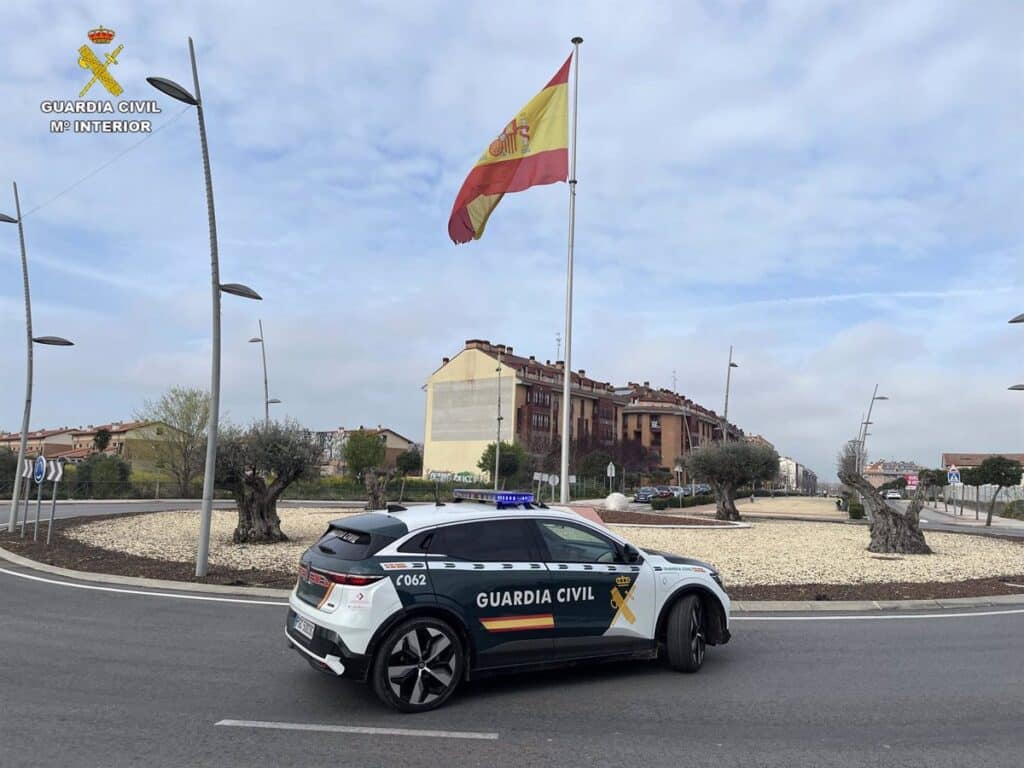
(326, 578)
(350, 580)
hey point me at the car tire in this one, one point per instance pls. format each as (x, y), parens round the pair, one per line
(418, 665)
(685, 638)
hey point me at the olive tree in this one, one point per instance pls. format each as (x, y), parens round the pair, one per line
(726, 466)
(256, 465)
(892, 530)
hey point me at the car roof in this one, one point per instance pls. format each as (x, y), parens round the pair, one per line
(419, 516)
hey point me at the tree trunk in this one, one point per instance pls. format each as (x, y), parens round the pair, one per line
(992, 506)
(725, 503)
(891, 531)
(258, 522)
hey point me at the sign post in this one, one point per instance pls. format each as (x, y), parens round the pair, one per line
(54, 474)
(39, 475)
(610, 472)
(26, 472)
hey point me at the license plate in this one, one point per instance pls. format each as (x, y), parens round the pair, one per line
(304, 627)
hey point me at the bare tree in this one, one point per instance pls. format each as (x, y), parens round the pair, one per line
(892, 531)
(182, 412)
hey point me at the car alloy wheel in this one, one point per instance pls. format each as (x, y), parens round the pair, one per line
(698, 643)
(419, 665)
(685, 638)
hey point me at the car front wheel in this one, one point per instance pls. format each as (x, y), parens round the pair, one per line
(686, 636)
(419, 665)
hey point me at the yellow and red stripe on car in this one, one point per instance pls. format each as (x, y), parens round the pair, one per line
(519, 623)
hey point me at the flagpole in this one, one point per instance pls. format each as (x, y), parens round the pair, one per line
(567, 378)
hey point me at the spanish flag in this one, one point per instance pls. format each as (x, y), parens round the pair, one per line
(532, 149)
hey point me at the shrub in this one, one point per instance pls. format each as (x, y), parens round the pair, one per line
(1014, 509)
(856, 510)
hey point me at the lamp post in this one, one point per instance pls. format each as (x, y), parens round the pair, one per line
(863, 432)
(497, 442)
(725, 414)
(55, 341)
(267, 399)
(175, 91)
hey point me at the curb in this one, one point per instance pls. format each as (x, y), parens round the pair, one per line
(739, 607)
(140, 581)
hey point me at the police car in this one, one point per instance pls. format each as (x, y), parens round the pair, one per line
(416, 600)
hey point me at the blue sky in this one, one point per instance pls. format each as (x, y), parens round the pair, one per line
(833, 188)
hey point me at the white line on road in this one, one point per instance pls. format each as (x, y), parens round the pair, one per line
(145, 593)
(282, 603)
(480, 735)
(877, 618)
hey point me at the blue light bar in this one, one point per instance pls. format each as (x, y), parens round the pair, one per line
(500, 498)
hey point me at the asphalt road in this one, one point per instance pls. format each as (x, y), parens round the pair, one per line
(936, 519)
(105, 678)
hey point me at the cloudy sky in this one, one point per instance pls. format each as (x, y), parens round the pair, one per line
(832, 188)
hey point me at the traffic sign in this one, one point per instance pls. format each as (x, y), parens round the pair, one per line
(39, 473)
(611, 469)
(26, 468)
(953, 475)
(553, 479)
(54, 470)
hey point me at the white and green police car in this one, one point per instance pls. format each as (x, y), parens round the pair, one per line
(416, 600)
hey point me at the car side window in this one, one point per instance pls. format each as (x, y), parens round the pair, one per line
(486, 541)
(567, 543)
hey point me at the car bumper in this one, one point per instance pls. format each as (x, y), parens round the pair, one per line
(326, 650)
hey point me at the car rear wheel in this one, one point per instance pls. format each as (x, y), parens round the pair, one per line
(686, 638)
(419, 665)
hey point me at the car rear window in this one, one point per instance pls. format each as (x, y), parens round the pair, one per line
(351, 545)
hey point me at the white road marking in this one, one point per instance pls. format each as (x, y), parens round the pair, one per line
(283, 603)
(878, 617)
(480, 735)
(145, 593)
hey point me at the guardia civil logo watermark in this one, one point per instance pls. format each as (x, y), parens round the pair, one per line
(98, 66)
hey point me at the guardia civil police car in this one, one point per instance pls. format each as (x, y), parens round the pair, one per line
(416, 600)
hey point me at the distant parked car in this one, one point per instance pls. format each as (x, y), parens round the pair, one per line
(891, 494)
(664, 492)
(701, 488)
(678, 490)
(645, 494)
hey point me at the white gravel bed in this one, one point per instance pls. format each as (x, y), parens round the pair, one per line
(173, 536)
(789, 552)
(768, 552)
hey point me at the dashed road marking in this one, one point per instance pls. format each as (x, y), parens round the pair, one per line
(366, 730)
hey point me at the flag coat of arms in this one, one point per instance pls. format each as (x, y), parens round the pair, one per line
(532, 149)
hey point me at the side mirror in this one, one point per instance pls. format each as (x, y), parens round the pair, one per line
(630, 553)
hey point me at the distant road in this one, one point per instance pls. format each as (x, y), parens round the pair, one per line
(933, 519)
(69, 509)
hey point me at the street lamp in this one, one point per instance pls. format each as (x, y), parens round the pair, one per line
(267, 399)
(175, 91)
(1018, 319)
(29, 340)
(1018, 387)
(725, 414)
(862, 433)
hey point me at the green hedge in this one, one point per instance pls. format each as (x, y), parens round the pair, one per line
(856, 510)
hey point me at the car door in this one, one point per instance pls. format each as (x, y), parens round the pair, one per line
(491, 574)
(603, 605)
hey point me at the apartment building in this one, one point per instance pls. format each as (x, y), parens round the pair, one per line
(668, 423)
(462, 410)
(133, 441)
(462, 406)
